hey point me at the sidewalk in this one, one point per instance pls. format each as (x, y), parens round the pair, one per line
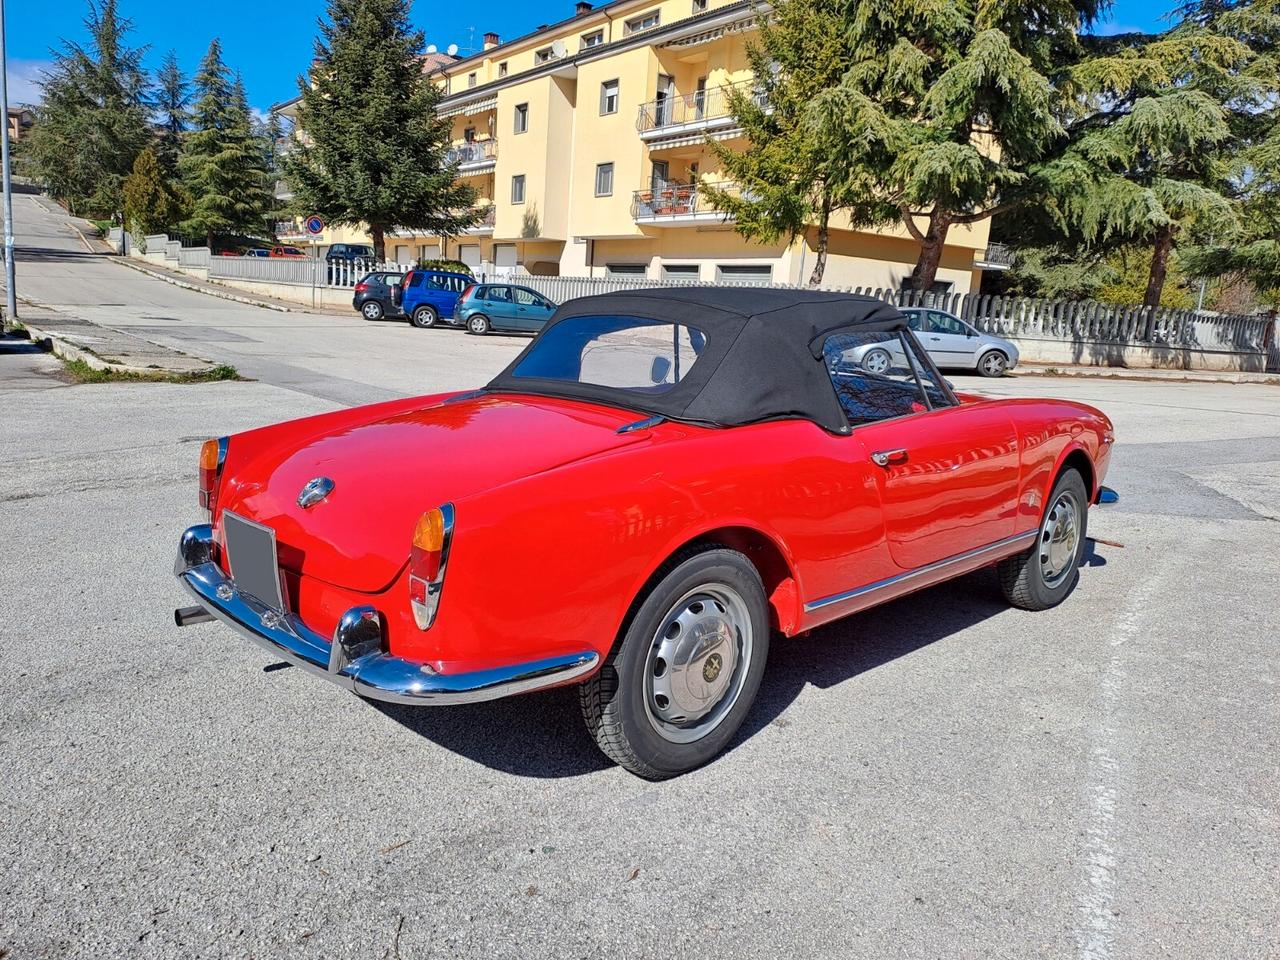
(1143, 373)
(105, 348)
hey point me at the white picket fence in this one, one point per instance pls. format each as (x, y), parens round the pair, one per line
(298, 271)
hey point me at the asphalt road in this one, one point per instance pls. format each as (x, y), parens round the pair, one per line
(941, 777)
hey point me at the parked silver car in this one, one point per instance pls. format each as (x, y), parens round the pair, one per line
(950, 342)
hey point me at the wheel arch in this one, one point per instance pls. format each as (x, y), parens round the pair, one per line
(764, 551)
(1075, 456)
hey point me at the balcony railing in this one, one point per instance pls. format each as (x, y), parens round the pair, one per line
(704, 105)
(485, 223)
(997, 257)
(473, 154)
(676, 202)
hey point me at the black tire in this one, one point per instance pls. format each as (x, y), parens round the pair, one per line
(425, 317)
(993, 363)
(478, 324)
(1028, 580)
(619, 704)
(372, 310)
(877, 358)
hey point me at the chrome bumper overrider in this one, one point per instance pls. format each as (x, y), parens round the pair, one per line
(354, 658)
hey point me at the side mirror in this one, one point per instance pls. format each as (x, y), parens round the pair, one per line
(658, 372)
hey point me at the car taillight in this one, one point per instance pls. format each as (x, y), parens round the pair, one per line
(361, 287)
(466, 291)
(428, 556)
(213, 453)
(407, 281)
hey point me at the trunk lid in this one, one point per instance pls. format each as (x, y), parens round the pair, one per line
(389, 470)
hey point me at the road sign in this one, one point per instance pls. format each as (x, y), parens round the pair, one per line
(315, 226)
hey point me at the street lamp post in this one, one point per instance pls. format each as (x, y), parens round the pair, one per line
(11, 299)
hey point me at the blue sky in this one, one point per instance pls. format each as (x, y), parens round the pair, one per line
(270, 43)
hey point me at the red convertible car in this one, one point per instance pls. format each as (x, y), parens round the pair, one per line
(660, 482)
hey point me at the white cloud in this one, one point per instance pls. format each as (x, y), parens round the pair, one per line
(24, 80)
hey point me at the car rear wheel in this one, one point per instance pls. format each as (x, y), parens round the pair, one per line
(683, 675)
(993, 363)
(372, 310)
(425, 316)
(1045, 575)
(478, 324)
(877, 361)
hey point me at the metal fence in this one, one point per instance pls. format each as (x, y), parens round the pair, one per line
(194, 257)
(1015, 317)
(302, 271)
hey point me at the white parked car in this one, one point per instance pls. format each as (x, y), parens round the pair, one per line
(950, 342)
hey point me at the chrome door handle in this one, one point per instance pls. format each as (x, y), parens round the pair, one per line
(882, 458)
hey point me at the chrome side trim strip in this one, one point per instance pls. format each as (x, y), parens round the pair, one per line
(354, 659)
(894, 581)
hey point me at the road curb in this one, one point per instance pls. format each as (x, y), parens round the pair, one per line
(1146, 376)
(61, 347)
(221, 295)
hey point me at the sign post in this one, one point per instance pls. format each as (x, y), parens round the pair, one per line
(315, 227)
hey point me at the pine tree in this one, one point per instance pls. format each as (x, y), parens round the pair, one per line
(222, 163)
(795, 173)
(946, 107)
(374, 151)
(92, 120)
(150, 204)
(173, 96)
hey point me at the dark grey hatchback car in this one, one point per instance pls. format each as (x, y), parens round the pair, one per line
(373, 295)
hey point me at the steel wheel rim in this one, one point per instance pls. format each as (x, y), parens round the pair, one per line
(697, 663)
(1059, 538)
(993, 363)
(877, 361)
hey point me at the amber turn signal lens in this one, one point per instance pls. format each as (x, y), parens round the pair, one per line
(428, 536)
(209, 455)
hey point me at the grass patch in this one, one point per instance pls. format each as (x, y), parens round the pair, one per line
(81, 372)
(103, 225)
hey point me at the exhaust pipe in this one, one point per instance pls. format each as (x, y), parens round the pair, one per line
(185, 616)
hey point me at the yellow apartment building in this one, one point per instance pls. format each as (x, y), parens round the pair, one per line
(585, 141)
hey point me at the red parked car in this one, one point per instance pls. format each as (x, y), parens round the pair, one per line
(659, 482)
(288, 253)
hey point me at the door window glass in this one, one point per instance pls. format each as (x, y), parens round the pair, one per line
(877, 375)
(945, 323)
(526, 298)
(499, 295)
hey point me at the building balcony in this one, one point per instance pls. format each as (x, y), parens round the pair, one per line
(705, 111)
(484, 226)
(478, 156)
(674, 205)
(997, 256)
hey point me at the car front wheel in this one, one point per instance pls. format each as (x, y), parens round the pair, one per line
(684, 673)
(425, 316)
(478, 323)
(1045, 575)
(876, 361)
(993, 363)
(372, 310)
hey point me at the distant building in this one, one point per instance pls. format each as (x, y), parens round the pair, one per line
(21, 120)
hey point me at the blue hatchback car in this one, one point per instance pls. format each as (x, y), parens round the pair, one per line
(502, 306)
(428, 295)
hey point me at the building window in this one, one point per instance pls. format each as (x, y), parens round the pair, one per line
(679, 271)
(738, 274)
(624, 269)
(543, 55)
(592, 39)
(517, 188)
(502, 69)
(471, 79)
(699, 6)
(604, 179)
(522, 117)
(646, 21)
(608, 97)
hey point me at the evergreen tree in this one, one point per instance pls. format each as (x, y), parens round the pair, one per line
(222, 163)
(946, 107)
(173, 96)
(374, 151)
(92, 120)
(150, 204)
(795, 173)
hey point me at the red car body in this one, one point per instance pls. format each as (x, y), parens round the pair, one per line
(564, 509)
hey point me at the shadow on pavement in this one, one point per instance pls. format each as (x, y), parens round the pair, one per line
(542, 734)
(51, 255)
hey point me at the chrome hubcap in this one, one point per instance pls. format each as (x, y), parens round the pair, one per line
(993, 363)
(698, 662)
(370, 310)
(1059, 538)
(477, 325)
(876, 362)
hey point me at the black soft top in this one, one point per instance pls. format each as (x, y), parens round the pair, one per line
(762, 359)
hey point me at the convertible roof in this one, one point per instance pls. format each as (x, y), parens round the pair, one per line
(762, 359)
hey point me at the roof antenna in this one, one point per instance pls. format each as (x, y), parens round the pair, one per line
(471, 40)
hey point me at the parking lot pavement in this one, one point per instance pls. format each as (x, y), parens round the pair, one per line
(941, 777)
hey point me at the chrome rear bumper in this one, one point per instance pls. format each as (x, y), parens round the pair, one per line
(353, 659)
